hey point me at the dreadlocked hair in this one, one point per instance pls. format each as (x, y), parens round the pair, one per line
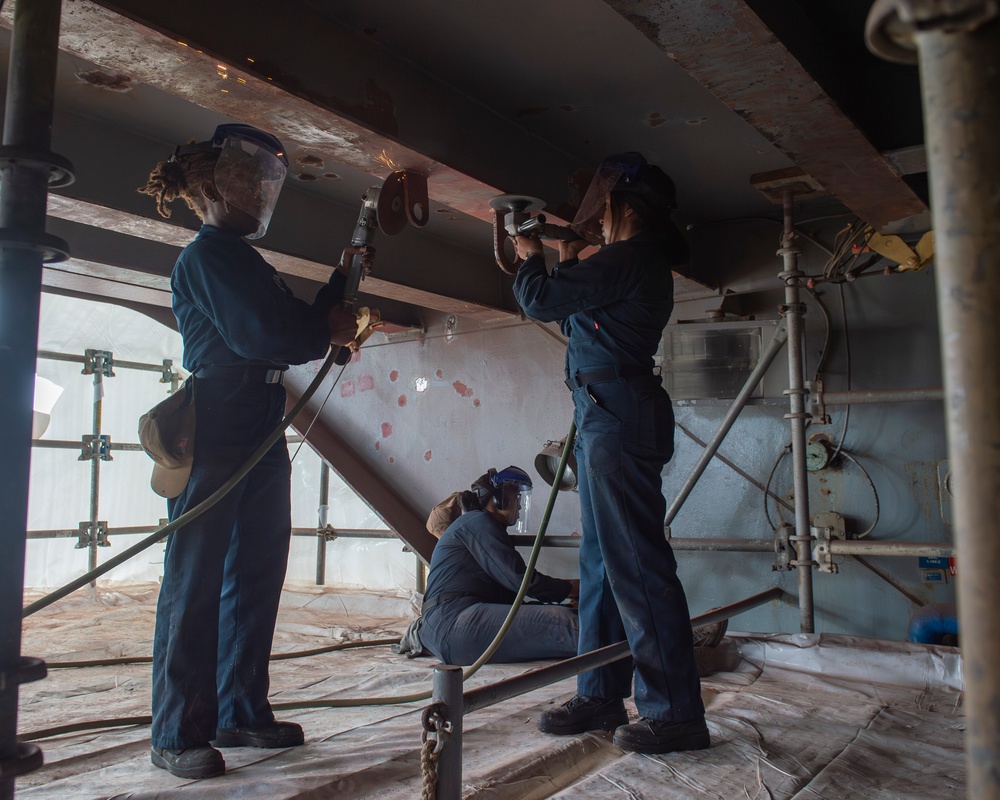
(180, 177)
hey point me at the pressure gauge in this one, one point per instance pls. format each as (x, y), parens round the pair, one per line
(817, 454)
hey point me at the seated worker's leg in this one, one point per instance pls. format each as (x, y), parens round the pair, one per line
(538, 631)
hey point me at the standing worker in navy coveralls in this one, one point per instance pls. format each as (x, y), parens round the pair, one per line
(614, 306)
(223, 572)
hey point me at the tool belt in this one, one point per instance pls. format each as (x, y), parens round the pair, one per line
(440, 598)
(583, 379)
(242, 373)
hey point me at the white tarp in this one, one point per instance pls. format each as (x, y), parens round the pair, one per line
(791, 717)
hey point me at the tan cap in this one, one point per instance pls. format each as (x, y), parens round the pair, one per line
(166, 432)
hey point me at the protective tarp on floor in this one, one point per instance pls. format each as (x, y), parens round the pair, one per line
(791, 716)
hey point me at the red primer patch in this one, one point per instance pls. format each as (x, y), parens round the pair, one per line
(394, 375)
(366, 382)
(439, 373)
(402, 400)
(476, 402)
(427, 456)
(462, 389)
(347, 389)
(386, 430)
(378, 445)
(392, 459)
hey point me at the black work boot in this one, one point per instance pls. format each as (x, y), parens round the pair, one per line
(654, 736)
(193, 762)
(273, 735)
(582, 714)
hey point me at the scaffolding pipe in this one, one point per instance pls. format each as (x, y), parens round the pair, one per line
(324, 512)
(793, 311)
(755, 377)
(864, 396)
(95, 466)
(448, 683)
(959, 68)
(25, 171)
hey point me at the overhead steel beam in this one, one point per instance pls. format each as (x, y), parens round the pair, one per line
(149, 273)
(728, 49)
(335, 92)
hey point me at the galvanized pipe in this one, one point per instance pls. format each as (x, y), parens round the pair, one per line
(859, 396)
(868, 547)
(28, 125)
(793, 311)
(960, 71)
(324, 511)
(95, 468)
(448, 691)
(485, 696)
(738, 404)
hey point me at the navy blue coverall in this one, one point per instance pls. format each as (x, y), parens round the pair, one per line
(614, 306)
(475, 574)
(223, 572)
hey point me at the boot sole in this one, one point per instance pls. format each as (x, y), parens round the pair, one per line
(700, 741)
(191, 772)
(608, 723)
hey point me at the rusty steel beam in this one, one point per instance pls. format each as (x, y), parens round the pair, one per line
(152, 230)
(240, 72)
(728, 49)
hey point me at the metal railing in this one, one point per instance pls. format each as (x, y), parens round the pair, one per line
(443, 719)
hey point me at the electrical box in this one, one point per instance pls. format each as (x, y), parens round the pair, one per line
(708, 362)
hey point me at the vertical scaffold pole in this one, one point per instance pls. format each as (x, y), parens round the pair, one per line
(957, 45)
(27, 167)
(793, 311)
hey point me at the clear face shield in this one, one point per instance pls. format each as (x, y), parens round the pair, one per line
(249, 176)
(515, 503)
(624, 168)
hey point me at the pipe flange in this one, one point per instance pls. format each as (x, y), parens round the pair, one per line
(52, 248)
(892, 25)
(28, 759)
(60, 169)
(28, 670)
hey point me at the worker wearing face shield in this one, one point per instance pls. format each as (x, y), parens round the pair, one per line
(613, 306)
(475, 574)
(223, 572)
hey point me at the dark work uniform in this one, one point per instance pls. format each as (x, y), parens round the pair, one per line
(614, 306)
(475, 574)
(223, 572)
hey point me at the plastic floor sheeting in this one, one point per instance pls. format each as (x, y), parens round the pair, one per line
(791, 716)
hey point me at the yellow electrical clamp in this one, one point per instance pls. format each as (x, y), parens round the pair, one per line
(895, 249)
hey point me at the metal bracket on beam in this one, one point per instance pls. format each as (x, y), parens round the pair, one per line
(98, 447)
(88, 535)
(783, 549)
(99, 361)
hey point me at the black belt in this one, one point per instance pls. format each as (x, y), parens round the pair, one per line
(440, 598)
(238, 373)
(582, 379)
